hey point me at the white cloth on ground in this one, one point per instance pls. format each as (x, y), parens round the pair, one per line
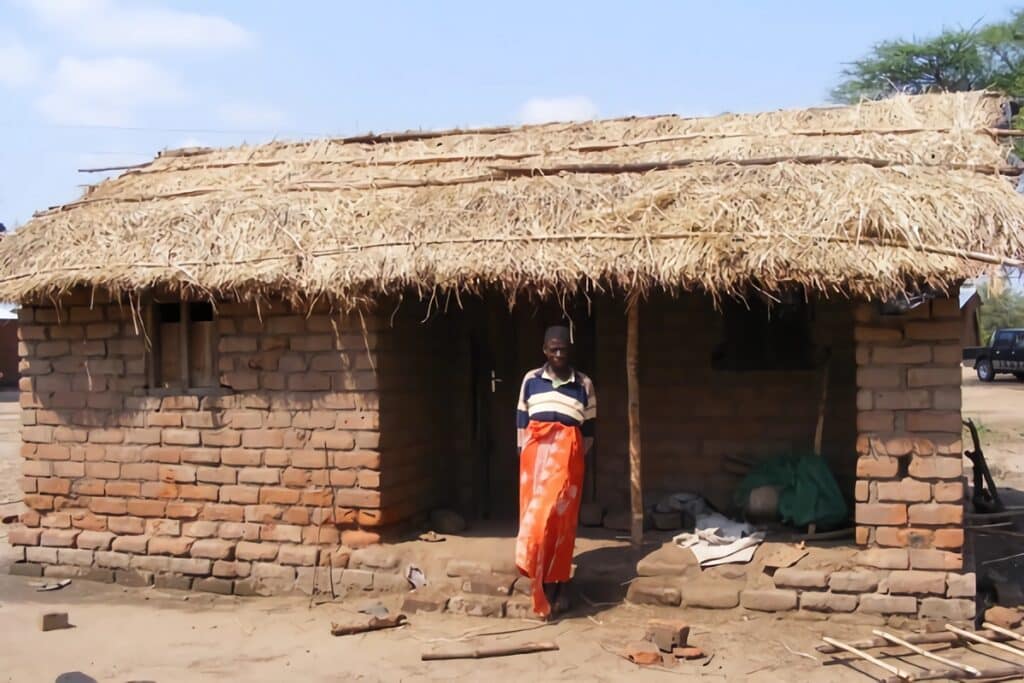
(717, 540)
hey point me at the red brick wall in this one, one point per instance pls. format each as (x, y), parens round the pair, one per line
(911, 488)
(286, 453)
(692, 415)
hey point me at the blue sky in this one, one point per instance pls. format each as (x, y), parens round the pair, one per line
(88, 83)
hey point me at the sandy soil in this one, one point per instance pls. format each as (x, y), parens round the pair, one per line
(123, 634)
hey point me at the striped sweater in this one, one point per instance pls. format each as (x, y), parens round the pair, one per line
(545, 398)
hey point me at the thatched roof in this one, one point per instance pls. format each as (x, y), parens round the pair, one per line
(863, 200)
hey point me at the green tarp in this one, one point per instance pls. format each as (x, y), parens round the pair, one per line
(808, 493)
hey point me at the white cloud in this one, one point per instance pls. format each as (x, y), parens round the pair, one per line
(114, 24)
(108, 91)
(544, 110)
(19, 66)
(250, 116)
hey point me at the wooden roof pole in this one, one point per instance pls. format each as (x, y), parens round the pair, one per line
(633, 401)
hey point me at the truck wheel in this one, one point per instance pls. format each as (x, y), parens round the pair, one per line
(984, 368)
(1019, 376)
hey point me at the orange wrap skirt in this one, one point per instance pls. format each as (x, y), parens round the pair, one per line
(550, 488)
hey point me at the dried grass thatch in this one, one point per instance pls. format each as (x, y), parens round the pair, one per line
(867, 200)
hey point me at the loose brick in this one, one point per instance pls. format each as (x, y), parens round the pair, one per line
(879, 378)
(214, 585)
(912, 399)
(200, 529)
(59, 538)
(881, 514)
(936, 467)
(213, 548)
(229, 570)
(281, 532)
(163, 454)
(216, 475)
(222, 438)
(125, 489)
(901, 355)
(936, 514)
(164, 419)
(862, 333)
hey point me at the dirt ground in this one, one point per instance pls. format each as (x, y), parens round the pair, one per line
(125, 634)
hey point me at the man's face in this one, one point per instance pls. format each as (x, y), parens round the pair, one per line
(558, 353)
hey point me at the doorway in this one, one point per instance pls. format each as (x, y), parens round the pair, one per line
(505, 344)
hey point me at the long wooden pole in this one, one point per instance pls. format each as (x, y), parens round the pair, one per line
(984, 641)
(633, 400)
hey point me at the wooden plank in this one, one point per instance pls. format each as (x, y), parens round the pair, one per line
(633, 399)
(925, 653)
(900, 673)
(168, 358)
(202, 370)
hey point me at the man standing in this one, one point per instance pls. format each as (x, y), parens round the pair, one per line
(555, 421)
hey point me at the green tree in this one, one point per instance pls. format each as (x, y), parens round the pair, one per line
(983, 56)
(1005, 309)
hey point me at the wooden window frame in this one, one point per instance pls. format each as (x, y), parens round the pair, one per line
(189, 338)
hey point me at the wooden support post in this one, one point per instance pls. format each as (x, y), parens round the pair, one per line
(633, 401)
(183, 335)
(149, 334)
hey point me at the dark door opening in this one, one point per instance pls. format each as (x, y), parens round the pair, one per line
(505, 345)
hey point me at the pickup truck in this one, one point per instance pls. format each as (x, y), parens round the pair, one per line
(1004, 353)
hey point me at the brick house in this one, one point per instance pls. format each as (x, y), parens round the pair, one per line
(237, 364)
